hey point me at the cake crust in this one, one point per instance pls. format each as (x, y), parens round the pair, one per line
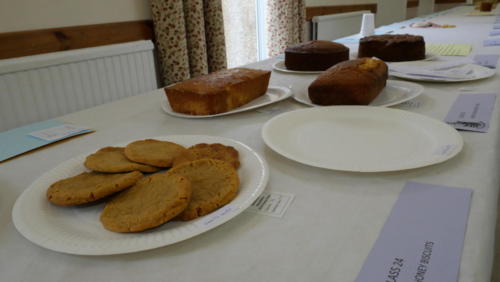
(393, 47)
(217, 92)
(315, 55)
(354, 82)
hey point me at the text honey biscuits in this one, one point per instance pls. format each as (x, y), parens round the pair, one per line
(211, 151)
(214, 183)
(113, 160)
(153, 152)
(151, 202)
(88, 187)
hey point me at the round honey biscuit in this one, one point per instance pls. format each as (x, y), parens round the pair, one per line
(89, 187)
(209, 151)
(151, 202)
(214, 184)
(113, 160)
(153, 152)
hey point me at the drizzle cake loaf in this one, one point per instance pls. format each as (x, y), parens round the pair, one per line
(316, 55)
(392, 47)
(217, 92)
(354, 82)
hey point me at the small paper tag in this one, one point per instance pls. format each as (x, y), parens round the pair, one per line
(491, 42)
(487, 60)
(472, 112)
(58, 132)
(216, 216)
(272, 203)
(496, 26)
(423, 237)
(494, 32)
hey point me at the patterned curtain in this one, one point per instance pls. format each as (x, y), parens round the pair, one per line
(286, 24)
(189, 36)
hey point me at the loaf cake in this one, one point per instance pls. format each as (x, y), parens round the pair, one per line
(315, 55)
(354, 82)
(217, 92)
(393, 47)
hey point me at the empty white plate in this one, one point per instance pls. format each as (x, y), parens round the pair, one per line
(361, 138)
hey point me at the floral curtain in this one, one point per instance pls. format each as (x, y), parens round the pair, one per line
(189, 37)
(286, 24)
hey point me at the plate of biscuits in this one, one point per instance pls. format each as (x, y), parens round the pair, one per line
(140, 195)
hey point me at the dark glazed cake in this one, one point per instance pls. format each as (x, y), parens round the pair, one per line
(393, 47)
(354, 82)
(316, 55)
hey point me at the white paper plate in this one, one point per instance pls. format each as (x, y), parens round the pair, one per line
(274, 94)
(479, 72)
(280, 66)
(77, 230)
(361, 138)
(395, 92)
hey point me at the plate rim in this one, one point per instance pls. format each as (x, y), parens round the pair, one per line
(491, 72)
(42, 240)
(165, 105)
(429, 56)
(265, 136)
(280, 69)
(419, 92)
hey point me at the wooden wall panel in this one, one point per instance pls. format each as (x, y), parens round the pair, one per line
(327, 10)
(33, 42)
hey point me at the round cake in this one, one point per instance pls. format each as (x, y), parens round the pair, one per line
(315, 55)
(393, 47)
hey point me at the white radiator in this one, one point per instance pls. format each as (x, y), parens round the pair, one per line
(41, 87)
(331, 27)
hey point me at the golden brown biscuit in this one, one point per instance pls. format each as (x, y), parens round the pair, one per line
(151, 202)
(209, 151)
(214, 184)
(113, 160)
(153, 152)
(88, 187)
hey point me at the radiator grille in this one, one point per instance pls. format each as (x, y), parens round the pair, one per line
(42, 87)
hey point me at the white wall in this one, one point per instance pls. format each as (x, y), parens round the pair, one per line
(18, 15)
(390, 11)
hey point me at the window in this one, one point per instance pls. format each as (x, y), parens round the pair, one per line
(244, 29)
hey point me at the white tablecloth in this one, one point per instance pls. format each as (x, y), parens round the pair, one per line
(329, 228)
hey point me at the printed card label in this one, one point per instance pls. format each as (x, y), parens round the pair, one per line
(487, 60)
(472, 112)
(58, 132)
(423, 237)
(495, 32)
(272, 203)
(491, 42)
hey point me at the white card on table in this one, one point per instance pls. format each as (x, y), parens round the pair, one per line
(423, 237)
(272, 203)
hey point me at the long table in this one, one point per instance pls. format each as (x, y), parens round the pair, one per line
(327, 231)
